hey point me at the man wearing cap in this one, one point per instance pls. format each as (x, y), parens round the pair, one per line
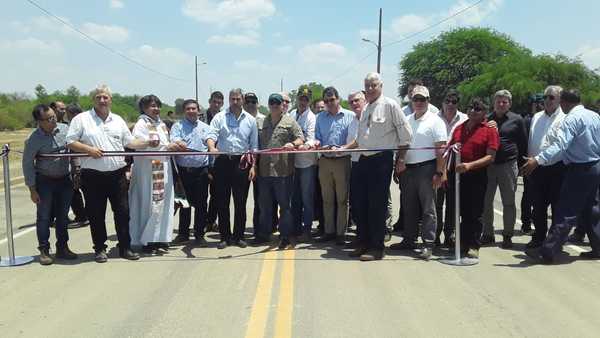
(578, 145)
(237, 132)
(382, 124)
(305, 168)
(425, 172)
(275, 172)
(251, 106)
(408, 109)
(103, 177)
(504, 171)
(334, 168)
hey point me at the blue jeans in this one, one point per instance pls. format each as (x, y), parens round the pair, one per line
(280, 190)
(303, 199)
(55, 200)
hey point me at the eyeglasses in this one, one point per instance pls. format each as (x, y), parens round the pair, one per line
(451, 101)
(251, 101)
(419, 99)
(549, 97)
(49, 119)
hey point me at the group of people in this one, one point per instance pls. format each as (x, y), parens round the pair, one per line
(328, 160)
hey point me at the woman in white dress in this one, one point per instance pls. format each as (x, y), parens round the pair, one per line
(151, 188)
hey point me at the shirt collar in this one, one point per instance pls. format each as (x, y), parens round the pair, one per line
(108, 117)
(242, 114)
(193, 123)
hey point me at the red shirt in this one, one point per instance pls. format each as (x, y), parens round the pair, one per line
(475, 142)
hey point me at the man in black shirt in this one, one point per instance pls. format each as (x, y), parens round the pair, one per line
(504, 171)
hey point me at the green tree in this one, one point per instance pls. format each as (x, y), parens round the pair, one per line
(316, 89)
(454, 57)
(41, 93)
(73, 94)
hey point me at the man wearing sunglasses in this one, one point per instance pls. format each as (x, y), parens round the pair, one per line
(503, 172)
(452, 117)
(49, 182)
(408, 109)
(545, 179)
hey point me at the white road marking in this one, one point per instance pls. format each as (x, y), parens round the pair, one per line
(18, 234)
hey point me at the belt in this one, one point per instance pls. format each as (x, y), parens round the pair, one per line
(420, 164)
(379, 154)
(336, 157)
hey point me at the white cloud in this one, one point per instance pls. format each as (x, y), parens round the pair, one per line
(247, 39)
(167, 60)
(106, 33)
(589, 55)
(410, 23)
(324, 52)
(32, 45)
(242, 13)
(250, 65)
(284, 49)
(116, 4)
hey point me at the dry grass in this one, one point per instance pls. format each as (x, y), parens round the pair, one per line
(16, 140)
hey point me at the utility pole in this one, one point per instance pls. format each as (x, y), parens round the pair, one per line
(281, 85)
(196, 68)
(379, 43)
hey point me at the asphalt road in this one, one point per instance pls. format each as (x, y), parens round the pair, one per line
(313, 291)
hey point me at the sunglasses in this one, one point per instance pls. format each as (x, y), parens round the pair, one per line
(549, 97)
(419, 99)
(286, 101)
(251, 101)
(274, 103)
(451, 101)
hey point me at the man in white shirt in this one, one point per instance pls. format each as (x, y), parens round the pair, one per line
(103, 177)
(305, 168)
(382, 124)
(408, 109)
(546, 179)
(425, 172)
(452, 117)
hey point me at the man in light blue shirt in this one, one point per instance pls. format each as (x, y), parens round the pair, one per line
(334, 169)
(578, 145)
(237, 132)
(192, 133)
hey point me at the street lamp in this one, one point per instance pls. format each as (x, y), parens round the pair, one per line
(378, 44)
(196, 63)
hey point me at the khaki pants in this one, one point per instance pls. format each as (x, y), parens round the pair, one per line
(334, 175)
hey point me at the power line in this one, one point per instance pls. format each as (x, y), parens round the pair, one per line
(351, 67)
(435, 24)
(110, 49)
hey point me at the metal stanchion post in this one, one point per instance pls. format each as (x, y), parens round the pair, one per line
(11, 260)
(457, 260)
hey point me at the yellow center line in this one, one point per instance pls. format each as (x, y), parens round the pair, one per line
(262, 300)
(283, 321)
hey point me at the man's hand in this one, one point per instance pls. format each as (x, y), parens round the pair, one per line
(35, 197)
(94, 152)
(438, 180)
(304, 147)
(399, 168)
(176, 146)
(492, 124)
(289, 146)
(529, 166)
(152, 143)
(251, 174)
(463, 168)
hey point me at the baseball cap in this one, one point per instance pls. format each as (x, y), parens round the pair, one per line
(275, 98)
(420, 90)
(251, 96)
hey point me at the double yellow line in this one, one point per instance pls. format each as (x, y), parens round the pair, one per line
(262, 301)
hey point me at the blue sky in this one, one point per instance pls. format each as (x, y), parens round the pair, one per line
(253, 44)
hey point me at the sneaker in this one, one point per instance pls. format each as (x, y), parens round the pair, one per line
(65, 253)
(101, 256)
(506, 242)
(180, 240)
(487, 239)
(372, 255)
(240, 243)
(404, 245)
(222, 245)
(45, 257)
(473, 253)
(425, 254)
(128, 254)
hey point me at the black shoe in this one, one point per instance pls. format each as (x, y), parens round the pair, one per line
(326, 238)
(128, 254)
(65, 253)
(590, 255)
(538, 257)
(359, 251)
(575, 238)
(240, 243)
(372, 255)
(404, 245)
(506, 242)
(283, 243)
(45, 257)
(306, 237)
(260, 240)
(101, 256)
(487, 239)
(180, 240)
(534, 243)
(201, 242)
(148, 249)
(222, 245)
(340, 240)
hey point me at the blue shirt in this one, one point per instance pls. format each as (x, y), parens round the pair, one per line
(194, 135)
(578, 139)
(235, 135)
(332, 130)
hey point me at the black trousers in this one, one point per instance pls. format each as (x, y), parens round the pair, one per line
(230, 181)
(472, 192)
(527, 202)
(372, 192)
(211, 217)
(445, 220)
(545, 190)
(78, 206)
(578, 198)
(98, 188)
(195, 184)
